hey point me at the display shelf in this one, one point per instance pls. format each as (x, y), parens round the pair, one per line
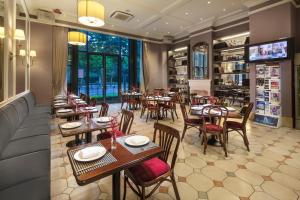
(230, 69)
(178, 70)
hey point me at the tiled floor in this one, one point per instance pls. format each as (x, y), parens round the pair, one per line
(271, 170)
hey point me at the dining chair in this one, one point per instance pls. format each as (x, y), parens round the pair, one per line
(170, 107)
(93, 102)
(189, 122)
(104, 109)
(214, 118)
(240, 127)
(152, 108)
(124, 98)
(124, 126)
(155, 171)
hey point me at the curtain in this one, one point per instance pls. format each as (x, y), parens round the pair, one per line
(146, 67)
(60, 56)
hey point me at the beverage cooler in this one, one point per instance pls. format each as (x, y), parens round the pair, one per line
(297, 90)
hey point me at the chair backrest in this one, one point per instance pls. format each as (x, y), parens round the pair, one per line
(247, 113)
(183, 111)
(126, 121)
(93, 102)
(166, 135)
(220, 101)
(104, 109)
(215, 114)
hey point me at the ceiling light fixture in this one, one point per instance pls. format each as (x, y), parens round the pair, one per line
(186, 13)
(90, 13)
(224, 9)
(180, 49)
(208, 2)
(167, 23)
(76, 38)
(235, 36)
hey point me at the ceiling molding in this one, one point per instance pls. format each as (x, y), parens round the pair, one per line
(269, 6)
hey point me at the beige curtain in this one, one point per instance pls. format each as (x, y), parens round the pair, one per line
(60, 56)
(146, 67)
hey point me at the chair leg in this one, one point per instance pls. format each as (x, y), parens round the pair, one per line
(143, 194)
(172, 114)
(122, 105)
(142, 112)
(205, 142)
(147, 116)
(223, 144)
(246, 139)
(125, 182)
(176, 113)
(184, 130)
(175, 187)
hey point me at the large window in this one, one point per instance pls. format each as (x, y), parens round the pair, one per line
(105, 66)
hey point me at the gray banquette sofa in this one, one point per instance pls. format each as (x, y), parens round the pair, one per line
(24, 150)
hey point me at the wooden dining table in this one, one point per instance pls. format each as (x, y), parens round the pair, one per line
(124, 159)
(74, 114)
(85, 128)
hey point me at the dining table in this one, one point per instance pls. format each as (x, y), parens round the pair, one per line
(86, 127)
(73, 114)
(112, 163)
(160, 101)
(133, 96)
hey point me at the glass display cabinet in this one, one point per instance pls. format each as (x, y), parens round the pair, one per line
(200, 61)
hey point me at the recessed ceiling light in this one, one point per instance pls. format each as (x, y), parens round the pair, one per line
(224, 9)
(112, 25)
(154, 28)
(208, 2)
(186, 13)
(138, 20)
(168, 32)
(167, 22)
(201, 19)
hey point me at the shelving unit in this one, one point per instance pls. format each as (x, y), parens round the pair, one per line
(231, 72)
(178, 70)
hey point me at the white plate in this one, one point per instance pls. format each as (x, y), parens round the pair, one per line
(60, 101)
(205, 105)
(197, 108)
(71, 125)
(60, 104)
(104, 119)
(64, 110)
(99, 152)
(137, 140)
(90, 108)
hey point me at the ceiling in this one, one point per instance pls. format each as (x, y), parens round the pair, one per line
(156, 18)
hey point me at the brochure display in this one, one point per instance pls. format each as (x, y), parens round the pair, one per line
(268, 99)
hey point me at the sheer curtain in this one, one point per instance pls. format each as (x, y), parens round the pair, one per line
(60, 56)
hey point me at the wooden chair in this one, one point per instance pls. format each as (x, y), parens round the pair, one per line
(93, 102)
(240, 127)
(214, 118)
(124, 126)
(170, 107)
(189, 122)
(156, 170)
(104, 109)
(152, 108)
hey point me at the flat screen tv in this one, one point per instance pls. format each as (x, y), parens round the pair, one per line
(269, 51)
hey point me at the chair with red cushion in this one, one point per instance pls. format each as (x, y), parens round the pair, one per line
(240, 127)
(189, 122)
(214, 118)
(124, 126)
(104, 109)
(156, 170)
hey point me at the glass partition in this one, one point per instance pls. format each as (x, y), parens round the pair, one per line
(200, 61)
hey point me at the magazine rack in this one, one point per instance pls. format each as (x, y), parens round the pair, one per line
(268, 95)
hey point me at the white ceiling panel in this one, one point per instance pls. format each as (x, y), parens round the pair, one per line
(152, 18)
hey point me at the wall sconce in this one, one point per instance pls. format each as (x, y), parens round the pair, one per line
(32, 54)
(2, 32)
(19, 34)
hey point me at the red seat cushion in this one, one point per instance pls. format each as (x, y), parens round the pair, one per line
(149, 170)
(234, 125)
(214, 128)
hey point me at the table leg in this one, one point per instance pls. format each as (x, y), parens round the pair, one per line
(88, 137)
(116, 186)
(75, 142)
